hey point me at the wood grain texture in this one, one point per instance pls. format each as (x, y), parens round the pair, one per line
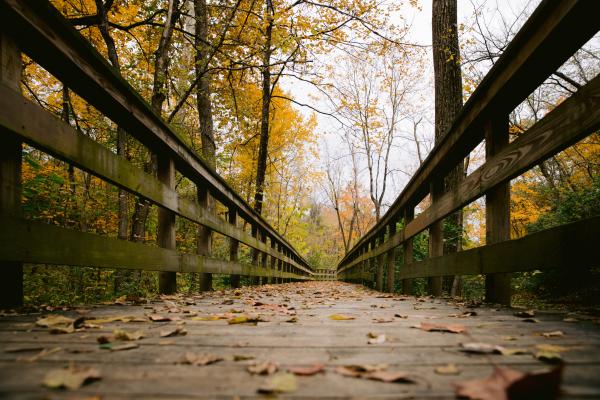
(151, 371)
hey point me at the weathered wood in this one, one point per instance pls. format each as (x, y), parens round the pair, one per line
(380, 266)
(548, 249)
(436, 238)
(39, 128)
(407, 253)
(575, 118)
(233, 246)
(38, 243)
(11, 280)
(165, 237)
(204, 239)
(497, 211)
(534, 53)
(50, 40)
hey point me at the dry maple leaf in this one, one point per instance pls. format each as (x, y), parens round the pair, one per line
(174, 331)
(159, 318)
(307, 371)
(120, 334)
(505, 384)
(199, 359)
(263, 368)
(453, 328)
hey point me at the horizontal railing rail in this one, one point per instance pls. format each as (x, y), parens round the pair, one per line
(553, 33)
(43, 34)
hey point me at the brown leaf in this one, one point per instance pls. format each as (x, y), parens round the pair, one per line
(199, 359)
(159, 318)
(120, 334)
(173, 331)
(552, 348)
(307, 371)
(548, 357)
(532, 320)
(70, 378)
(389, 376)
(505, 383)
(453, 328)
(480, 348)
(242, 357)
(358, 370)
(246, 319)
(400, 316)
(263, 368)
(119, 347)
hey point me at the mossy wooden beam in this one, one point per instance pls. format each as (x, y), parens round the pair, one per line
(27, 121)
(39, 243)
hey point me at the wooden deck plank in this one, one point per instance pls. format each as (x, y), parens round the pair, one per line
(150, 371)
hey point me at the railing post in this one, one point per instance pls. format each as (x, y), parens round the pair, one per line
(263, 256)
(279, 264)
(436, 239)
(11, 280)
(233, 246)
(407, 253)
(379, 277)
(204, 245)
(391, 260)
(167, 280)
(255, 280)
(273, 262)
(497, 212)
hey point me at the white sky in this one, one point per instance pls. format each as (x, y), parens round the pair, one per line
(420, 33)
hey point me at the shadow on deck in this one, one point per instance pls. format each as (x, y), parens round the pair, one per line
(296, 329)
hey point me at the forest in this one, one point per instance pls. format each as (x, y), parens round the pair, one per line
(316, 113)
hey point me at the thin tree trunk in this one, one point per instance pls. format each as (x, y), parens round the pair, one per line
(261, 166)
(205, 121)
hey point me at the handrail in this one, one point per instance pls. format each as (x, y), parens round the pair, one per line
(537, 50)
(555, 31)
(46, 36)
(42, 33)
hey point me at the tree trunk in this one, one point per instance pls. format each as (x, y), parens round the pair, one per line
(261, 166)
(448, 100)
(206, 126)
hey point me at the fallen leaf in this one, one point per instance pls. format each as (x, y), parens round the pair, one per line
(553, 334)
(159, 318)
(263, 368)
(307, 371)
(505, 383)
(548, 357)
(358, 370)
(242, 357)
(341, 317)
(281, 383)
(120, 334)
(525, 314)
(60, 324)
(199, 359)
(513, 351)
(509, 338)
(453, 328)
(448, 369)
(375, 338)
(23, 349)
(120, 318)
(207, 318)
(70, 378)
(389, 376)
(532, 320)
(174, 331)
(292, 320)
(383, 320)
(480, 348)
(400, 316)
(570, 319)
(246, 319)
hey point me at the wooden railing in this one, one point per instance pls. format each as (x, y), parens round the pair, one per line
(38, 30)
(554, 32)
(325, 274)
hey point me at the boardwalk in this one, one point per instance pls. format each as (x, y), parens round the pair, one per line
(298, 330)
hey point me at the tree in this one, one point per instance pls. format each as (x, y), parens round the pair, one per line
(448, 103)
